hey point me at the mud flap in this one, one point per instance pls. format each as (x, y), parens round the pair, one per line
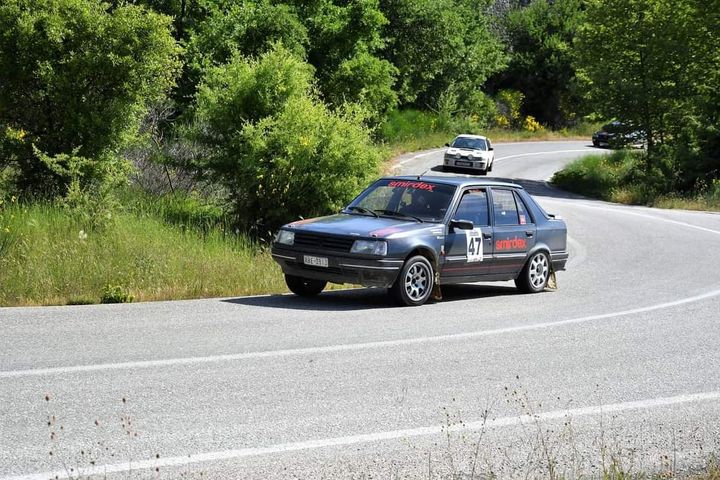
(436, 293)
(552, 280)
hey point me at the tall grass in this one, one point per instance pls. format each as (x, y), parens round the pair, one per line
(622, 177)
(55, 261)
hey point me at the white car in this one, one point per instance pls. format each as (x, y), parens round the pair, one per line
(472, 152)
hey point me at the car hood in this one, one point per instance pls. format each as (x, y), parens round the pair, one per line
(364, 226)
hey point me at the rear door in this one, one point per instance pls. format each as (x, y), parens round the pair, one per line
(469, 252)
(514, 231)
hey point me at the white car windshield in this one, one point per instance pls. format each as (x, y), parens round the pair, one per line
(469, 143)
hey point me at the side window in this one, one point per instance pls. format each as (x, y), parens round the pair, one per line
(474, 207)
(523, 215)
(504, 207)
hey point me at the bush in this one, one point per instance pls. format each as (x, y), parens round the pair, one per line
(408, 124)
(509, 106)
(622, 176)
(116, 294)
(366, 80)
(76, 77)
(278, 150)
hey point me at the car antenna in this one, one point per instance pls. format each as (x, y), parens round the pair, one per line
(423, 173)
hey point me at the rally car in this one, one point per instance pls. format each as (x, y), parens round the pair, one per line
(413, 234)
(469, 152)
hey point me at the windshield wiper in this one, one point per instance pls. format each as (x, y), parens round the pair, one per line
(362, 210)
(394, 213)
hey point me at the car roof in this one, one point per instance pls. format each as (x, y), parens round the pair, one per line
(457, 181)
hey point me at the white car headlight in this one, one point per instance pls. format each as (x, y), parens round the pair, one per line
(369, 247)
(286, 237)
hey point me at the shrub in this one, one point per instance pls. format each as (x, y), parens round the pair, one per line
(116, 294)
(76, 76)
(278, 150)
(367, 80)
(509, 104)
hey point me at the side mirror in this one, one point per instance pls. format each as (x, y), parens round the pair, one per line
(447, 145)
(461, 224)
(491, 148)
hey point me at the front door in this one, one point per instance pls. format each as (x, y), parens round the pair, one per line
(468, 252)
(513, 232)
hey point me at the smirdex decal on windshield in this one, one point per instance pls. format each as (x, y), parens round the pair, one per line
(474, 245)
(409, 184)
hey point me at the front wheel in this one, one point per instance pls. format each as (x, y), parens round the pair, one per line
(535, 274)
(305, 287)
(415, 282)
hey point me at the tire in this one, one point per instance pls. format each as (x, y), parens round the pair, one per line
(483, 172)
(535, 274)
(415, 283)
(304, 287)
(490, 167)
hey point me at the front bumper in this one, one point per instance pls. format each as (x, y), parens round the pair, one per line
(467, 163)
(342, 268)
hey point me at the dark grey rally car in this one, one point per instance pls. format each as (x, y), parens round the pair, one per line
(412, 234)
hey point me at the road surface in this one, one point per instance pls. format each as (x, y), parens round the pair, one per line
(620, 364)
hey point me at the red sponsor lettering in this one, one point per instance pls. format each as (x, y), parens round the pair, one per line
(511, 244)
(409, 184)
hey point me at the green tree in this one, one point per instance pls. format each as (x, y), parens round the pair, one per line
(639, 62)
(439, 43)
(278, 150)
(346, 40)
(539, 39)
(76, 80)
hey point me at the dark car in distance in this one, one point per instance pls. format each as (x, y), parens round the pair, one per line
(409, 234)
(618, 135)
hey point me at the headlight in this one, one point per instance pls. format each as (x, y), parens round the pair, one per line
(286, 237)
(369, 247)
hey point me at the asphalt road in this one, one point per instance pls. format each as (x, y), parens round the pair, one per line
(620, 365)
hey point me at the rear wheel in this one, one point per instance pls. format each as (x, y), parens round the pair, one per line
(415, 282)
(535, 274)
(305, 287)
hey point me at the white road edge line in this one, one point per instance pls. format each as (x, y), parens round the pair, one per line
(541, 153)
(370, 437)
(626, 210)
(347, 347)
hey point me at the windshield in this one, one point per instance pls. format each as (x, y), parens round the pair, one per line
(404, 199)
(469, 143)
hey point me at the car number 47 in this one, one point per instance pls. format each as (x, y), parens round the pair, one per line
(474, 245)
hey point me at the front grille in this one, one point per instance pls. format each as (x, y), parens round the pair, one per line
(318, 241)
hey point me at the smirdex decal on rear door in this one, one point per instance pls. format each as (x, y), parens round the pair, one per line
(474, 245)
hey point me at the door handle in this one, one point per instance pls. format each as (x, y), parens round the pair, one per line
(487, 235)
(529, 233)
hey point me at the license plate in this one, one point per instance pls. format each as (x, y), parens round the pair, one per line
(315, 261)
(460, 163)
